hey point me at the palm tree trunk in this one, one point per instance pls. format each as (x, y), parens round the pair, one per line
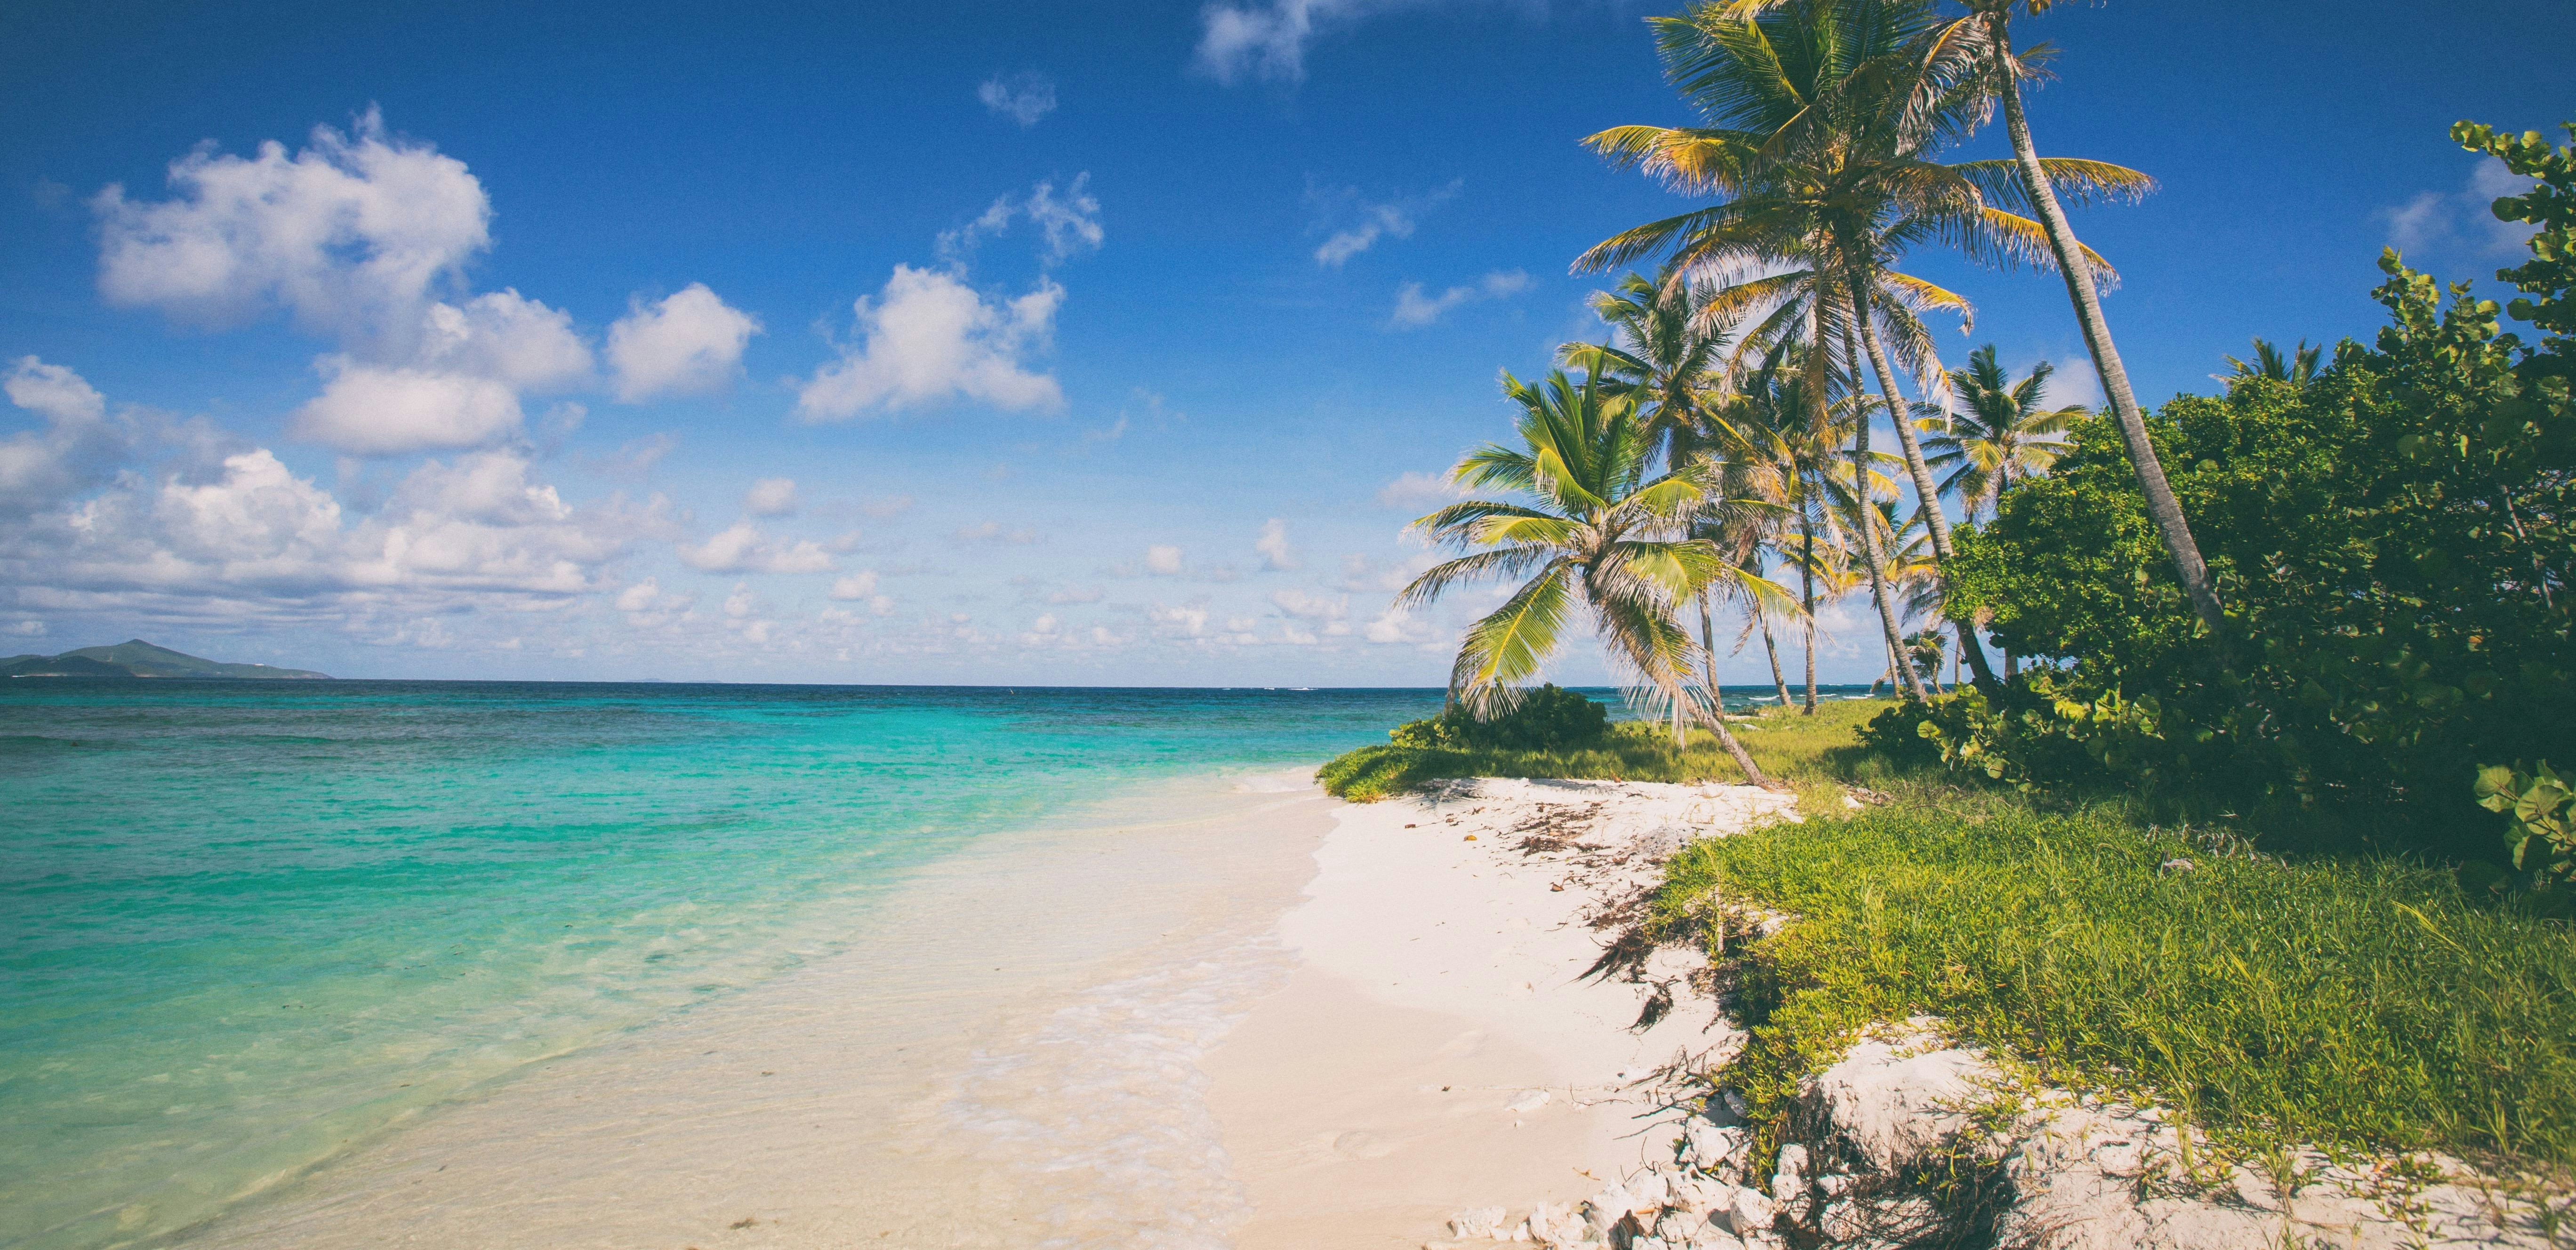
(1807, 599)
(1927, 496)
(2162, 508)
(1716, 717)
(1909, 683)
(1772, 650)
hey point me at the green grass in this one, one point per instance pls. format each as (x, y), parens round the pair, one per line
(1808, 751)
(2365, 1004)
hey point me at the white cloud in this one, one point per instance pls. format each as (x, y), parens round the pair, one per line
(1396, 625)
(1024, 98)
(348, 235)
(742, 548)
(2460, 223)
(1268, 41)
(859, 585)
(1163, 560)
(1170, 622)
(930, 337)
(1413, 309)
(1273, 545)
(371, 410)
(77, 449)
(1070, 225)
(1393, 219)
(1414, 489)
(1309, 605)
(506, 337)
(771, 496)
(639, 596)
(691, 342)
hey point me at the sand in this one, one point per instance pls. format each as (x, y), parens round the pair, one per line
(1236, 1014)
(1439, 1045)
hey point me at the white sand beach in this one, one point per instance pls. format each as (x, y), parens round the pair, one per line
(1241, 1016)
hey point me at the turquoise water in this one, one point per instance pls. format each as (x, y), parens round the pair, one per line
(245, 924)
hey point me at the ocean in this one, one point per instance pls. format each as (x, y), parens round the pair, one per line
(248, 929)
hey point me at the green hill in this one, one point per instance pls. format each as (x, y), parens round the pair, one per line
(137, 658)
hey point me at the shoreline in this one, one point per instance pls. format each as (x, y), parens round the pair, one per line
(1223, 1020)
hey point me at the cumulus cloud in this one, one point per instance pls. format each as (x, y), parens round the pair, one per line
(507, 338)
(688, 343)
(929, 337)
(1308, 605)
(1413, 490)
(1273, 545)
(1414, 309)
(859, 585)
(1366, 223)
(1396, 625)
(771, 496)
(1163, 560)
(76, 450)
(372, 410)
(1024, 98)
(743, 548)
(1184, 622)
(348, 235)
(1268, 41)
(2460, 223)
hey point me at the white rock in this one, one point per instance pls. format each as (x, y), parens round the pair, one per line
(1747, 1211)
(1476, 1222)
(1607, 1208)
(1696, 1196)
(1894, 1110)
(1555, 1225)
(1714, 1148)
(1646, 1195)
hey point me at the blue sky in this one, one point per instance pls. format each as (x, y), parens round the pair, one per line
(975, 343)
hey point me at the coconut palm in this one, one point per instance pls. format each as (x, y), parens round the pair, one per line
(2298, 367)
(1998, 432)
(1826, 116)
(1592, 532)
(1671, 353)
(1987, 30)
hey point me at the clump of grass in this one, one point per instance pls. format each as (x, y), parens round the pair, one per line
(2364, 1003)
(1807, 751)
(1629, 752)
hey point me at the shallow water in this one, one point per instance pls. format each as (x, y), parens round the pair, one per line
(245, 926)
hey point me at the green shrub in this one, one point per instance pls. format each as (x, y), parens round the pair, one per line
(2392, 540)
(1550, 718)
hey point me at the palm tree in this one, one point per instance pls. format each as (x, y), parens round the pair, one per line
(1669, 354)
(1997, 434)
(1987, 28)
(2298, 368)
(1595, 532)
(1825, 115)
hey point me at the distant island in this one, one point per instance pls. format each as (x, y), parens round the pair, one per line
(137, 658)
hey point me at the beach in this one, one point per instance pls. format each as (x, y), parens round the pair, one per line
(1302, 1023)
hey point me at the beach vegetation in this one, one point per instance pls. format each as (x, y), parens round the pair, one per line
(1586, 528)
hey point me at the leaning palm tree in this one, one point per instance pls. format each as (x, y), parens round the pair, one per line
(1986, 30)
(1998, 433)
(1825, 119)
(1592, 531)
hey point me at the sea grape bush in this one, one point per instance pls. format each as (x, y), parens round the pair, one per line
(2543, 829)
(1550, 718)
(2392, 538)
